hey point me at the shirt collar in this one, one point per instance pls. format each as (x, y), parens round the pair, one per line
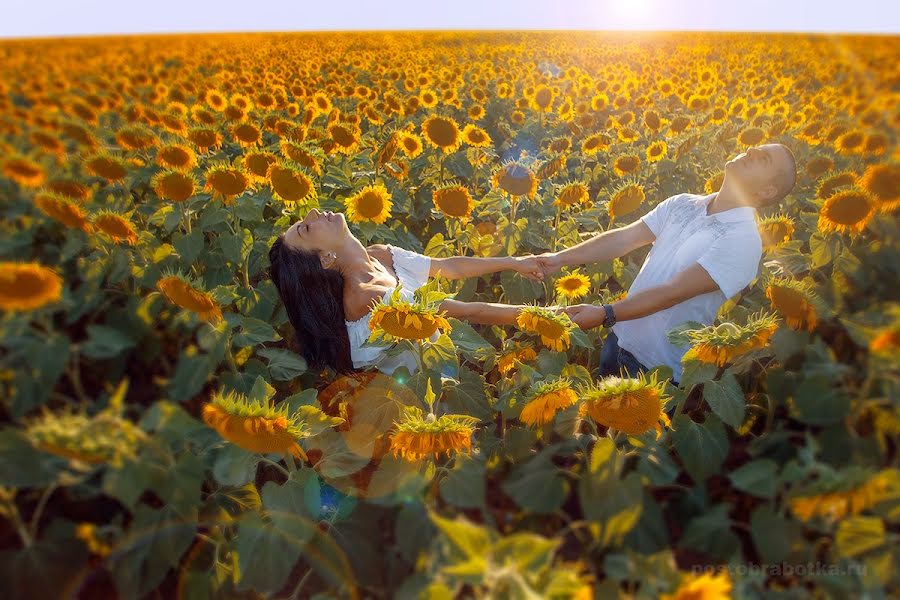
(732, 215)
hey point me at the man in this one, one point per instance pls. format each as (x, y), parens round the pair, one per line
(705, 250)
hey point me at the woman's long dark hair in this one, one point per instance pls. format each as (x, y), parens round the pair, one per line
(313, 297)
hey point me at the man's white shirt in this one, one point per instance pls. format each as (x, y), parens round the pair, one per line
(727, 245)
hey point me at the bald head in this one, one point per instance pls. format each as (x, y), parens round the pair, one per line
(785, 176)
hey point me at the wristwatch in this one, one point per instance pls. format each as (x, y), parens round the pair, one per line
(610, 319)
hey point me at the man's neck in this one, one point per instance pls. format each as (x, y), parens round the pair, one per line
(725, 199)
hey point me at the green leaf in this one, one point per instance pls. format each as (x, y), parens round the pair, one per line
(702, 447)
(518, 289)
(695, 372)
(678, 335)
(464, 485)
(234, 465)
(261, 391)
(537, 485)
(440, 353)
(857, 535)
(267, 552)
(191, 373)
(284, 365)
(466, 339)
(190, 246)
(468, 396)
(711, 533)
(818, 402)
(465, 539)
(614, 505)
(23, 465)
(758, 478)
(236, 247)
(726, 398)
(254, 331)
(773, 535)
(531, 554)
(106, 342)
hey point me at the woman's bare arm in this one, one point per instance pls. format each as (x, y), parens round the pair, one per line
(481, 313)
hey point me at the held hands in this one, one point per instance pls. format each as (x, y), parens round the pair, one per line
(586, 316)
(536, 267)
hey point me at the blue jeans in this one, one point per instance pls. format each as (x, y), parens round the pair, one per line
(613, 358)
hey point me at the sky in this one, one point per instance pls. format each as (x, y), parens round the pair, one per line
(51, 18)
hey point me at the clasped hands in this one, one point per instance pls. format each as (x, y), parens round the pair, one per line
(538, 267)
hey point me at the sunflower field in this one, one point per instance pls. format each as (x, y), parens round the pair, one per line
(162, 437)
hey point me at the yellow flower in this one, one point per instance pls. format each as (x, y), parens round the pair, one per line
(115, 226)
(706, 586)
(23, 171)
(546, 400)
(476, 136)
(595, 143)
(656, 151)
(173, 185)
(887, 341)
(180, 291)
(847, 211)
(775, 230)
(626, 404)
(398, 318)
(573, 286)
(516, 180)
(257, 426)
(176, 156)
(442, 132)
(554, 328)
(883, 183)
(420, 436)
(107, 166)
(723, 343)
(796, 301)
(28, 285)
(345, 138)
(454, 201)
(289, 183)
(828, 186)
(372, 204)
(226, 181)
(63, 209)
(834, 500)
(626, 164)
(507, 360)
(571, 194)
(625, 200)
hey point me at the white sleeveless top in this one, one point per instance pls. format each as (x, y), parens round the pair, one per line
(412, 273)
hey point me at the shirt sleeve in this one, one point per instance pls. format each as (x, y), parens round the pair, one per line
(411, 267)
(656, 218)
(733, 260)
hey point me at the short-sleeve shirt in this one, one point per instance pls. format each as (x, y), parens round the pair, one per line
(412, 273)
(727, 245)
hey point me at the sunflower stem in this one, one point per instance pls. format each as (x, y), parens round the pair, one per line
(277, 466)
(36, 517)
(185, 217)
(12, 512)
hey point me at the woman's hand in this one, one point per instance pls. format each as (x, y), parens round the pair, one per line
(528, 266)
(586, 316)
(549, 263)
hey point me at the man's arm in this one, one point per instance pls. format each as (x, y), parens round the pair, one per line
(600, 248)
(463, 267)
(688, 283)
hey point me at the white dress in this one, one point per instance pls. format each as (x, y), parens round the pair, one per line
(412, 273)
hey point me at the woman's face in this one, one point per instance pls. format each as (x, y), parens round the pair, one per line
(318, 232)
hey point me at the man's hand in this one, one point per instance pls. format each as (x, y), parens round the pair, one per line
(528, 266)
(586, 316)
(549, 263)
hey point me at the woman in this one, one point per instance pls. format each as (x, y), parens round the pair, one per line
(328, 282)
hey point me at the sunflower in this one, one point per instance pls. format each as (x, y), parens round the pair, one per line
(876, 143)
(442, 132)
(775, 230)
(551, 167)
(751, 136)
(420, 436)
(516, 180)
(256, 164)
(401, 319)
(136, 138)
(28, 285)
(705, 586)
(409, 143)
(542, 99)
(883, 183)
(372, 203)
(718, 116)
(345, 138)
(173, 185)
(181, 292)
(62, 209)
(300, 155)
(796, 301)
(573, 286)
(653, 121)
(517, 117)
(850, 142)
(545, 400)
(289, 183)
(714, 182)
(626, 164)
(627, 134)
(554, 328)
(116, 226)
(259, 427)
(427, 98)
(454, 201)
(176, 156)
(596, 143)
(246, 134)
(476, 136)
(632, 405)
(71, 189)
(723, 343)
(656, 151)
(103, 438)
(847, 211)
(507, 360)
(886, 341)
(572, 194)
(225, 181)
(87, 532)
(625, 200)
(828, 186)
(835, 497)
(215, 100)
(204, 138)
(107, 166)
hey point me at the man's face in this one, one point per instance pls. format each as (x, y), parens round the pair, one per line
(754, 171)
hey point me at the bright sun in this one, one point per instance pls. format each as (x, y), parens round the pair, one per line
(632, 12)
